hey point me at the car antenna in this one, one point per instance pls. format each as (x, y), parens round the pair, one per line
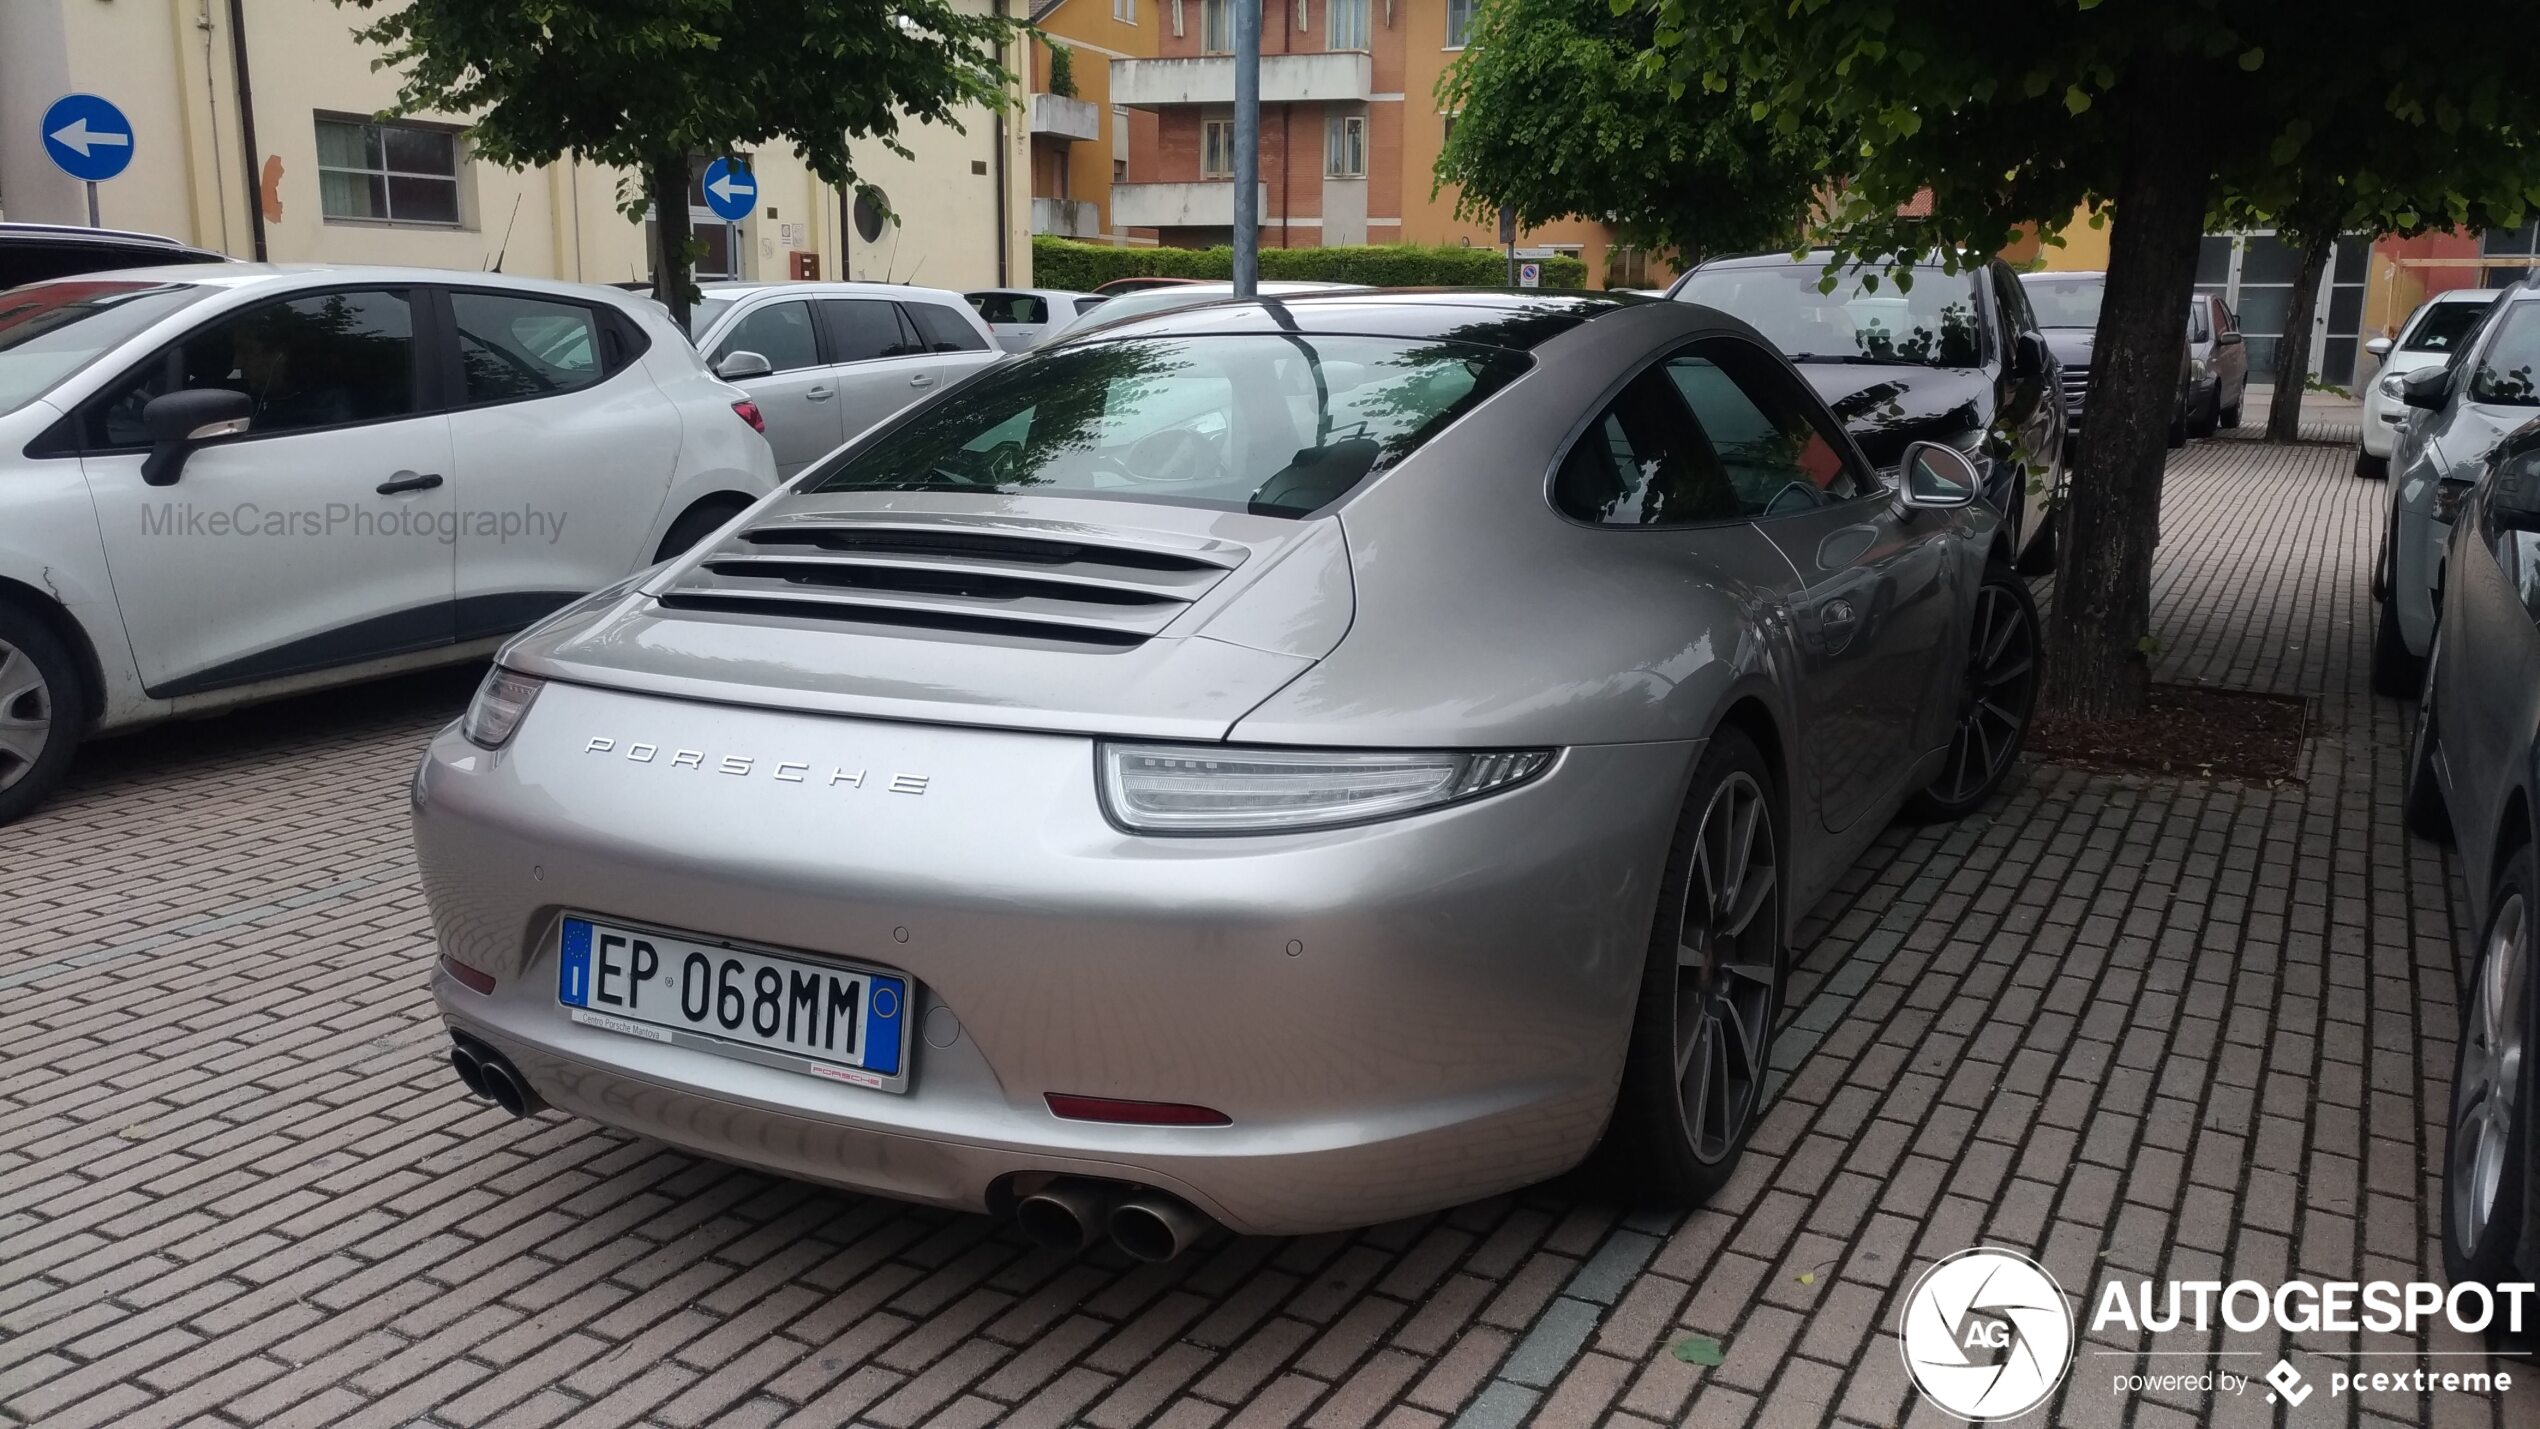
(507, 235)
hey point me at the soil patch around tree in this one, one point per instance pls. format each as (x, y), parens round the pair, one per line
(2186, 731)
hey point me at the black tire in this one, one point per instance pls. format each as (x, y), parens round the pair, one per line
(43, 711)
(2421, 804)
(2486, 1153)
(697, 523)
(1999, 695)
(1728, 982)
(2039, 558)
(2178, 429)
(2370, 467)
(2230, 417)
(2209, 421)
(2395, 671)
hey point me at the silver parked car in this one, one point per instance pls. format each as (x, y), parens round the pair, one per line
(824, 361)
(1020, 318)
(1293, 763)
(2457, 414)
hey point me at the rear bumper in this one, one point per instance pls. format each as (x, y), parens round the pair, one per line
(1396, 1018)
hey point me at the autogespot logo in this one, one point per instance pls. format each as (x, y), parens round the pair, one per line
(1987, 1334)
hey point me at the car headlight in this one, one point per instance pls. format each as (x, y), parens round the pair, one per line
(2388, 386)
(1200, 789)
(497, 709)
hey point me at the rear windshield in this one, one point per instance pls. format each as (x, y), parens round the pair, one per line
(2067, 302)
(2443, 327)
(49, 331)
(1274, 424)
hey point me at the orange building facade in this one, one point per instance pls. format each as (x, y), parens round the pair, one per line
(1081, 141)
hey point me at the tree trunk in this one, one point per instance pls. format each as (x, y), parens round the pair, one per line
(2096, 665)
(666, 180)
(2293, 350)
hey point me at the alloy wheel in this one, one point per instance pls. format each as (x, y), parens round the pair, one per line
(2001, 672)
(26, 714)
(1728, 958)
(2487, 1096)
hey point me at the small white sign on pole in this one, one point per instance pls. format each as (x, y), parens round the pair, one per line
(1530, 275)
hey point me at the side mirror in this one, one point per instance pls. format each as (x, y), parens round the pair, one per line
(1935, 477)
(178, 421)
(2229, 339)
(2425, 390)
(2377, 346)
(742, 363)
(2034, 357)
(2513, 498)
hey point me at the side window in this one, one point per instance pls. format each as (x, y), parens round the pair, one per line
(862, 329)
(2017, 315)
(1012, 308)
(2200, 322)
(779, 332)
(323, 360)
(942, 330)
(1766, 433)
(1640, 463)
(512, 347)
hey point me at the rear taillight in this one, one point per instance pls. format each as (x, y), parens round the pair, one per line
(748, 412)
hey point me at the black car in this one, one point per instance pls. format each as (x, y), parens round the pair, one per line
(2213, 369)
(1948, 357)
(2472, 780)
(32, 252)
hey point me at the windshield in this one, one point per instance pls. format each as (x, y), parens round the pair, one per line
(2067, 302)
(1274, 424)
(2509, 370)
(2443, 327)
(1865, 318)
(49, 331)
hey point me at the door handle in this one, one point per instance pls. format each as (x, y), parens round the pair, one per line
(817, 394)
(409, 481)
(921, 380)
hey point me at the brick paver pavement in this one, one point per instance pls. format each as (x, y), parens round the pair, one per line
(2137, 1026)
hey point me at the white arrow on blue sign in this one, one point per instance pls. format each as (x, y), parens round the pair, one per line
(87, 138)
(730, 191)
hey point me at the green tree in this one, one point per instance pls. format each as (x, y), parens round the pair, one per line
(2013, 112)
(1563, 109)
(644, 84)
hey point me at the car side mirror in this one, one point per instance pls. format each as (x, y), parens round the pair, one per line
(2377, 346)
(2513, 501)
(1934, 477)
(2426, 390)
(2229, 339)
(743, 363)
(2034, 357)
(179, 421)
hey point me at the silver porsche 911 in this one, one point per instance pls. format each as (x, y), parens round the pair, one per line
(1292, 763)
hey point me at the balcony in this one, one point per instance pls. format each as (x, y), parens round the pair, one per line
(1208, 203)
(1067, 217)
(1055, 116)
(1344, 75)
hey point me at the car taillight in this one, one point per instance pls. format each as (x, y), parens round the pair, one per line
(748, 412)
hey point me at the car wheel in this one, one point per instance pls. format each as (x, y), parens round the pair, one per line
(2039, 558)
(695, 524)
(2210, 421)
(2370, 467)
(2230, 418)
(2395, 672)
(2486, 1156)
(1702, 1035)
(2421, 804)
(42, 711)
(1994, 705)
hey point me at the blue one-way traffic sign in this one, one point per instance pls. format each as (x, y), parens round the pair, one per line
(730, 191)
(87, 138)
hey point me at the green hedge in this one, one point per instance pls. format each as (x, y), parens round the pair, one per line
(1080, 267)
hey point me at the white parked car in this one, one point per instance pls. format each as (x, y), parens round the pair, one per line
(1021, 317)
(220, 484)
(825, 361)
(2432, 334)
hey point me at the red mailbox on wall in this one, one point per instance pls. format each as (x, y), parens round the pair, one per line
(806, 267)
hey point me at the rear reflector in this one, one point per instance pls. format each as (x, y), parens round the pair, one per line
(1076, 1108)
(748, 412)
(476, 979)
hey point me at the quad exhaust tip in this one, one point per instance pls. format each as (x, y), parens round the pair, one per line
(1075, 1215)
(488, 1075)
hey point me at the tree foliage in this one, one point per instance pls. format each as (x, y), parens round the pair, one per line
(1564, 109)
(644, 84)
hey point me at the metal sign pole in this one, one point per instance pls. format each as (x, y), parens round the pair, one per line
(92, 205)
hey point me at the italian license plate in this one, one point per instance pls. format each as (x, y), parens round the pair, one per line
(830, 1020)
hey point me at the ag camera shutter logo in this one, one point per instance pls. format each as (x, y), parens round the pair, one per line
(1986, 1334)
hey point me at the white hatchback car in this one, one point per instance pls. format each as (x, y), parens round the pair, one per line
(2432, 334)
(824, 361)
(223, 484)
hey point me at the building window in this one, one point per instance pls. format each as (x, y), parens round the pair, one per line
(1459, 22)
(1345, 25)
(1345, 146)
(1446, 130)
(1216, 27)
(1125, 11)
(2520, 246)
(1217, 148)
(392, 173)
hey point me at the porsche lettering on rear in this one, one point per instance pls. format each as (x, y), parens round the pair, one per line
(742, 766)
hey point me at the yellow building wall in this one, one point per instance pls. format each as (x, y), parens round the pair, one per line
(1096, 37)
